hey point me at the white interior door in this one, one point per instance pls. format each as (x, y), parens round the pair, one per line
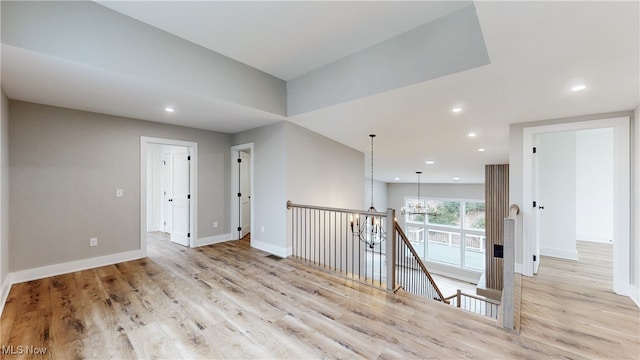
(537, 208)
(180, 197)
(245, 190)
(556, 185)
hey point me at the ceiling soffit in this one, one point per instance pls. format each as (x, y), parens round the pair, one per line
(442, 47)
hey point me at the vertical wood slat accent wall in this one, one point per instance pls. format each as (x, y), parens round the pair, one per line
(496, 194)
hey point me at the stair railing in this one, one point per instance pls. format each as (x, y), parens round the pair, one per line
(475, 304)
(345, 241)
(411, 272)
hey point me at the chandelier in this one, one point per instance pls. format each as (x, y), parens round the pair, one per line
(415, 208)
(371, 230)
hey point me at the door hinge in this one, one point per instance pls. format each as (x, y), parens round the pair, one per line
(535, 258)
(239, 194)
(188, 196)
(164, 162)
(239, 228)
(165, 223)
(188, 235)
(165, 193)
(534, 204)
(535, 149)
(239, 160)
(188, 158)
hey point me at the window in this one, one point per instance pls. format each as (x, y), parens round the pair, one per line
(454, 232)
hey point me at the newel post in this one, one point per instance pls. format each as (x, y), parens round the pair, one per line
(390, 248)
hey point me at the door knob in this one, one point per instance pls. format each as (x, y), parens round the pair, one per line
(541, 207)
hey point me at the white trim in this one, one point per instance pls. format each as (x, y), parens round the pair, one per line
(601, 238)
(453, 271)
(635, 294)
(73, 266)
(4, 291)
(193, 179)
(235, 150)
(622, 192)
(156, 228)
(518, 268)
(270, 248)
(559, 253)
(210, 240)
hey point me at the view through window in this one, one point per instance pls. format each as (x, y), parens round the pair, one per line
(451, 232)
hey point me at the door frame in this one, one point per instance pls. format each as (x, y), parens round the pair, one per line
(235, 210)
(622, 193)
(193, 184)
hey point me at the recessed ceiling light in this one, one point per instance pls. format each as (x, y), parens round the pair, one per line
(471, 135)
(481, 149)
(169, 109)
(456, 109)
(396, 179)
(579, 87)
(456, 179)
(429, 162)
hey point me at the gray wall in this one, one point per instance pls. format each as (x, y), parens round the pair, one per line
(379, 195)
(321, 171)
(4, 192)
(65, 166)
(293, 163)
(397, 192)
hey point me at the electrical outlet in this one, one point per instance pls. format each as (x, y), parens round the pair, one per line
(119, 192)
(93, 242)
(215, 224)
(262, 228)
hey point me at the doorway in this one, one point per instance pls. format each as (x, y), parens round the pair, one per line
(242, 160)
(536, 214)
(168, 186)
(174, 190)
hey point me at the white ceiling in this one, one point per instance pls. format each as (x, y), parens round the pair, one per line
(538, 50)
(285, 38)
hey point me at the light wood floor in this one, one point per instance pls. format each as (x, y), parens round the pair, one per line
(230, 301)
(571, 305)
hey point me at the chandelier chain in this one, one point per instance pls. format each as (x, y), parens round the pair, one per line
(372, 136)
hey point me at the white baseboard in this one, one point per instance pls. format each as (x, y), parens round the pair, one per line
(210, 240)
(559, 253)
(635, 294)
(5, 287)
(601, 238)
(270, 248)
(154, 228)
(72, 266)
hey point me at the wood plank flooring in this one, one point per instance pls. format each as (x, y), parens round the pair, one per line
(571, 305)
(230, 301)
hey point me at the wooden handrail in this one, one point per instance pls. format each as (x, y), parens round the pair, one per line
(491, 301)
(423, 267)
(346, 211)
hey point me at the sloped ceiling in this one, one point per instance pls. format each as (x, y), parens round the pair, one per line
(232, 66)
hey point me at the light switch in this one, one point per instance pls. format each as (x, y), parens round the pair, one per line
(119, 193)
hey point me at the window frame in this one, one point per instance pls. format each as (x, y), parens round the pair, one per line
(460, 229)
